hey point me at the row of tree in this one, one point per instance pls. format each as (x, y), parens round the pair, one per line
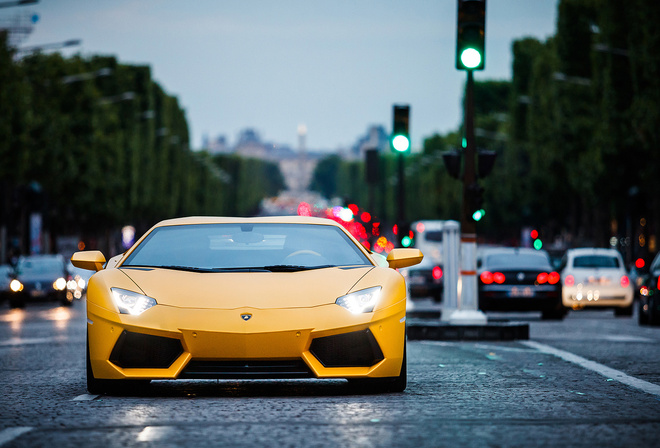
(576, 132)
(92, 144)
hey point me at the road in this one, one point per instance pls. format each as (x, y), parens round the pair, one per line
(590, 380)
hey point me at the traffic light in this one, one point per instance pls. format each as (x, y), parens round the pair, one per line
(471, 35)
(538, 244)
(477, 192)
(400, 140)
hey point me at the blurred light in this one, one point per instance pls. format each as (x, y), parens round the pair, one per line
(613, 241)
(366, 244)
(304, 209)
(346, 214)
(534, 234)
(542, 278)
(625, 281)
(639, 263)
(477, 215)
(498, 278)
(59, 284)
(437, 272)
(486, 277)
(336, 210)
(81, 245)
(569, 280)
(553, 278)
(127, 236)
(401, 143)
(470, 58)
(420, 227)
(644, 290)
(16, 286)
(406, 241)
(365, 217)
(395, 229)
(354, 208)
(538, 244)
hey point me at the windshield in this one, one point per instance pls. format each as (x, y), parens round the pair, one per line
(274, 247)
(595, 261)
(39, 266)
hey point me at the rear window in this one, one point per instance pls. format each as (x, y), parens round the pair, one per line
(434, 235)
(596, 261)
(513, 260)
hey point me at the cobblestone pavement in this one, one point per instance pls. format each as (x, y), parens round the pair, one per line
(590, 380)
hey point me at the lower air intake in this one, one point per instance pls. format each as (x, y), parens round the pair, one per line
(145, 351)
(355, 349)
(247, 369)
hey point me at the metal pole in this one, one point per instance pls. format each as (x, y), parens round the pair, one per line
(468, 313)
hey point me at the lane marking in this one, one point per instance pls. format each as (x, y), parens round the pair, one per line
(9, 434)
(85, 397)
(607, 372)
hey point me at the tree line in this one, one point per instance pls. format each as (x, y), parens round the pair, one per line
(92, 144)
(575, 130)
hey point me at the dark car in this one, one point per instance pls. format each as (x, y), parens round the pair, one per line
(649, 298)
(39, 277)
(6, 272)
(519, 279)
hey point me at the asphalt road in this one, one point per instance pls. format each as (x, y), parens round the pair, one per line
(590, 380)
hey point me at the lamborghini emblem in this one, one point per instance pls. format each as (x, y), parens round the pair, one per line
(246, 316)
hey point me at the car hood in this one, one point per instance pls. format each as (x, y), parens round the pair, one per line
(232, 290)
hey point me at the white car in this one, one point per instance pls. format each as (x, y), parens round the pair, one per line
(593, 277)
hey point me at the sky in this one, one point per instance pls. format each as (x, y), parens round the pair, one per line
(335, 66)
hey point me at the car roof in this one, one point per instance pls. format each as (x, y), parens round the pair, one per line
(510, 250)
(592, 251)
(234, 220)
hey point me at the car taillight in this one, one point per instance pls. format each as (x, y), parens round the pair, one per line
(553, 278)
(542, 278)
(437, 272)
(625, 281)
(486, 278)
(569, 280)
(498, 278)
(658, 285)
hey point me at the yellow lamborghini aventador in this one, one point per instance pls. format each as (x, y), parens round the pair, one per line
(271, 297)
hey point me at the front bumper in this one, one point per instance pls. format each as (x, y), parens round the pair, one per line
(321, 342)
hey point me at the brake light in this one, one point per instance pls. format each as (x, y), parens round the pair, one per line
(486, 278)
(658, 285)
(437, 273)
(542, 278)
(624, 281)
(498, 278)
(553, 278)
(569, 280)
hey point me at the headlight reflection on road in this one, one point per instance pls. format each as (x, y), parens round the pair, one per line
(15, 317)
(60, 315)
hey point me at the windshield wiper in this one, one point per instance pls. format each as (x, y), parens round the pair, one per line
(184, 268)
(294, 268)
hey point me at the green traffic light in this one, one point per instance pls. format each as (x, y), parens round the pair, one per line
(479, 214)
(470, 58)
(406, 241)
(538, 244)
(401, 143)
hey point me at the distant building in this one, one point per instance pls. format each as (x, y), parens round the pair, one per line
(375, 137)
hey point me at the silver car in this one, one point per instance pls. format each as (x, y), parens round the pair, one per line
(593, 277)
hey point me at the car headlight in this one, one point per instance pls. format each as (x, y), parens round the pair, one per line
(59, 284)
(130, 302)
(362, 301)
(16, 286)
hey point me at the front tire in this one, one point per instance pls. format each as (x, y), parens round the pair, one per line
(381, 385)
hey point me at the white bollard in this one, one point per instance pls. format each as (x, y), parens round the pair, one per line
(450, 239)
(468, 312)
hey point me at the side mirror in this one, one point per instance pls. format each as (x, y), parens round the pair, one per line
(402, 258)
(92, 260)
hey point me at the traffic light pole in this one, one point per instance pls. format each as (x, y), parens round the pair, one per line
(468, 310)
